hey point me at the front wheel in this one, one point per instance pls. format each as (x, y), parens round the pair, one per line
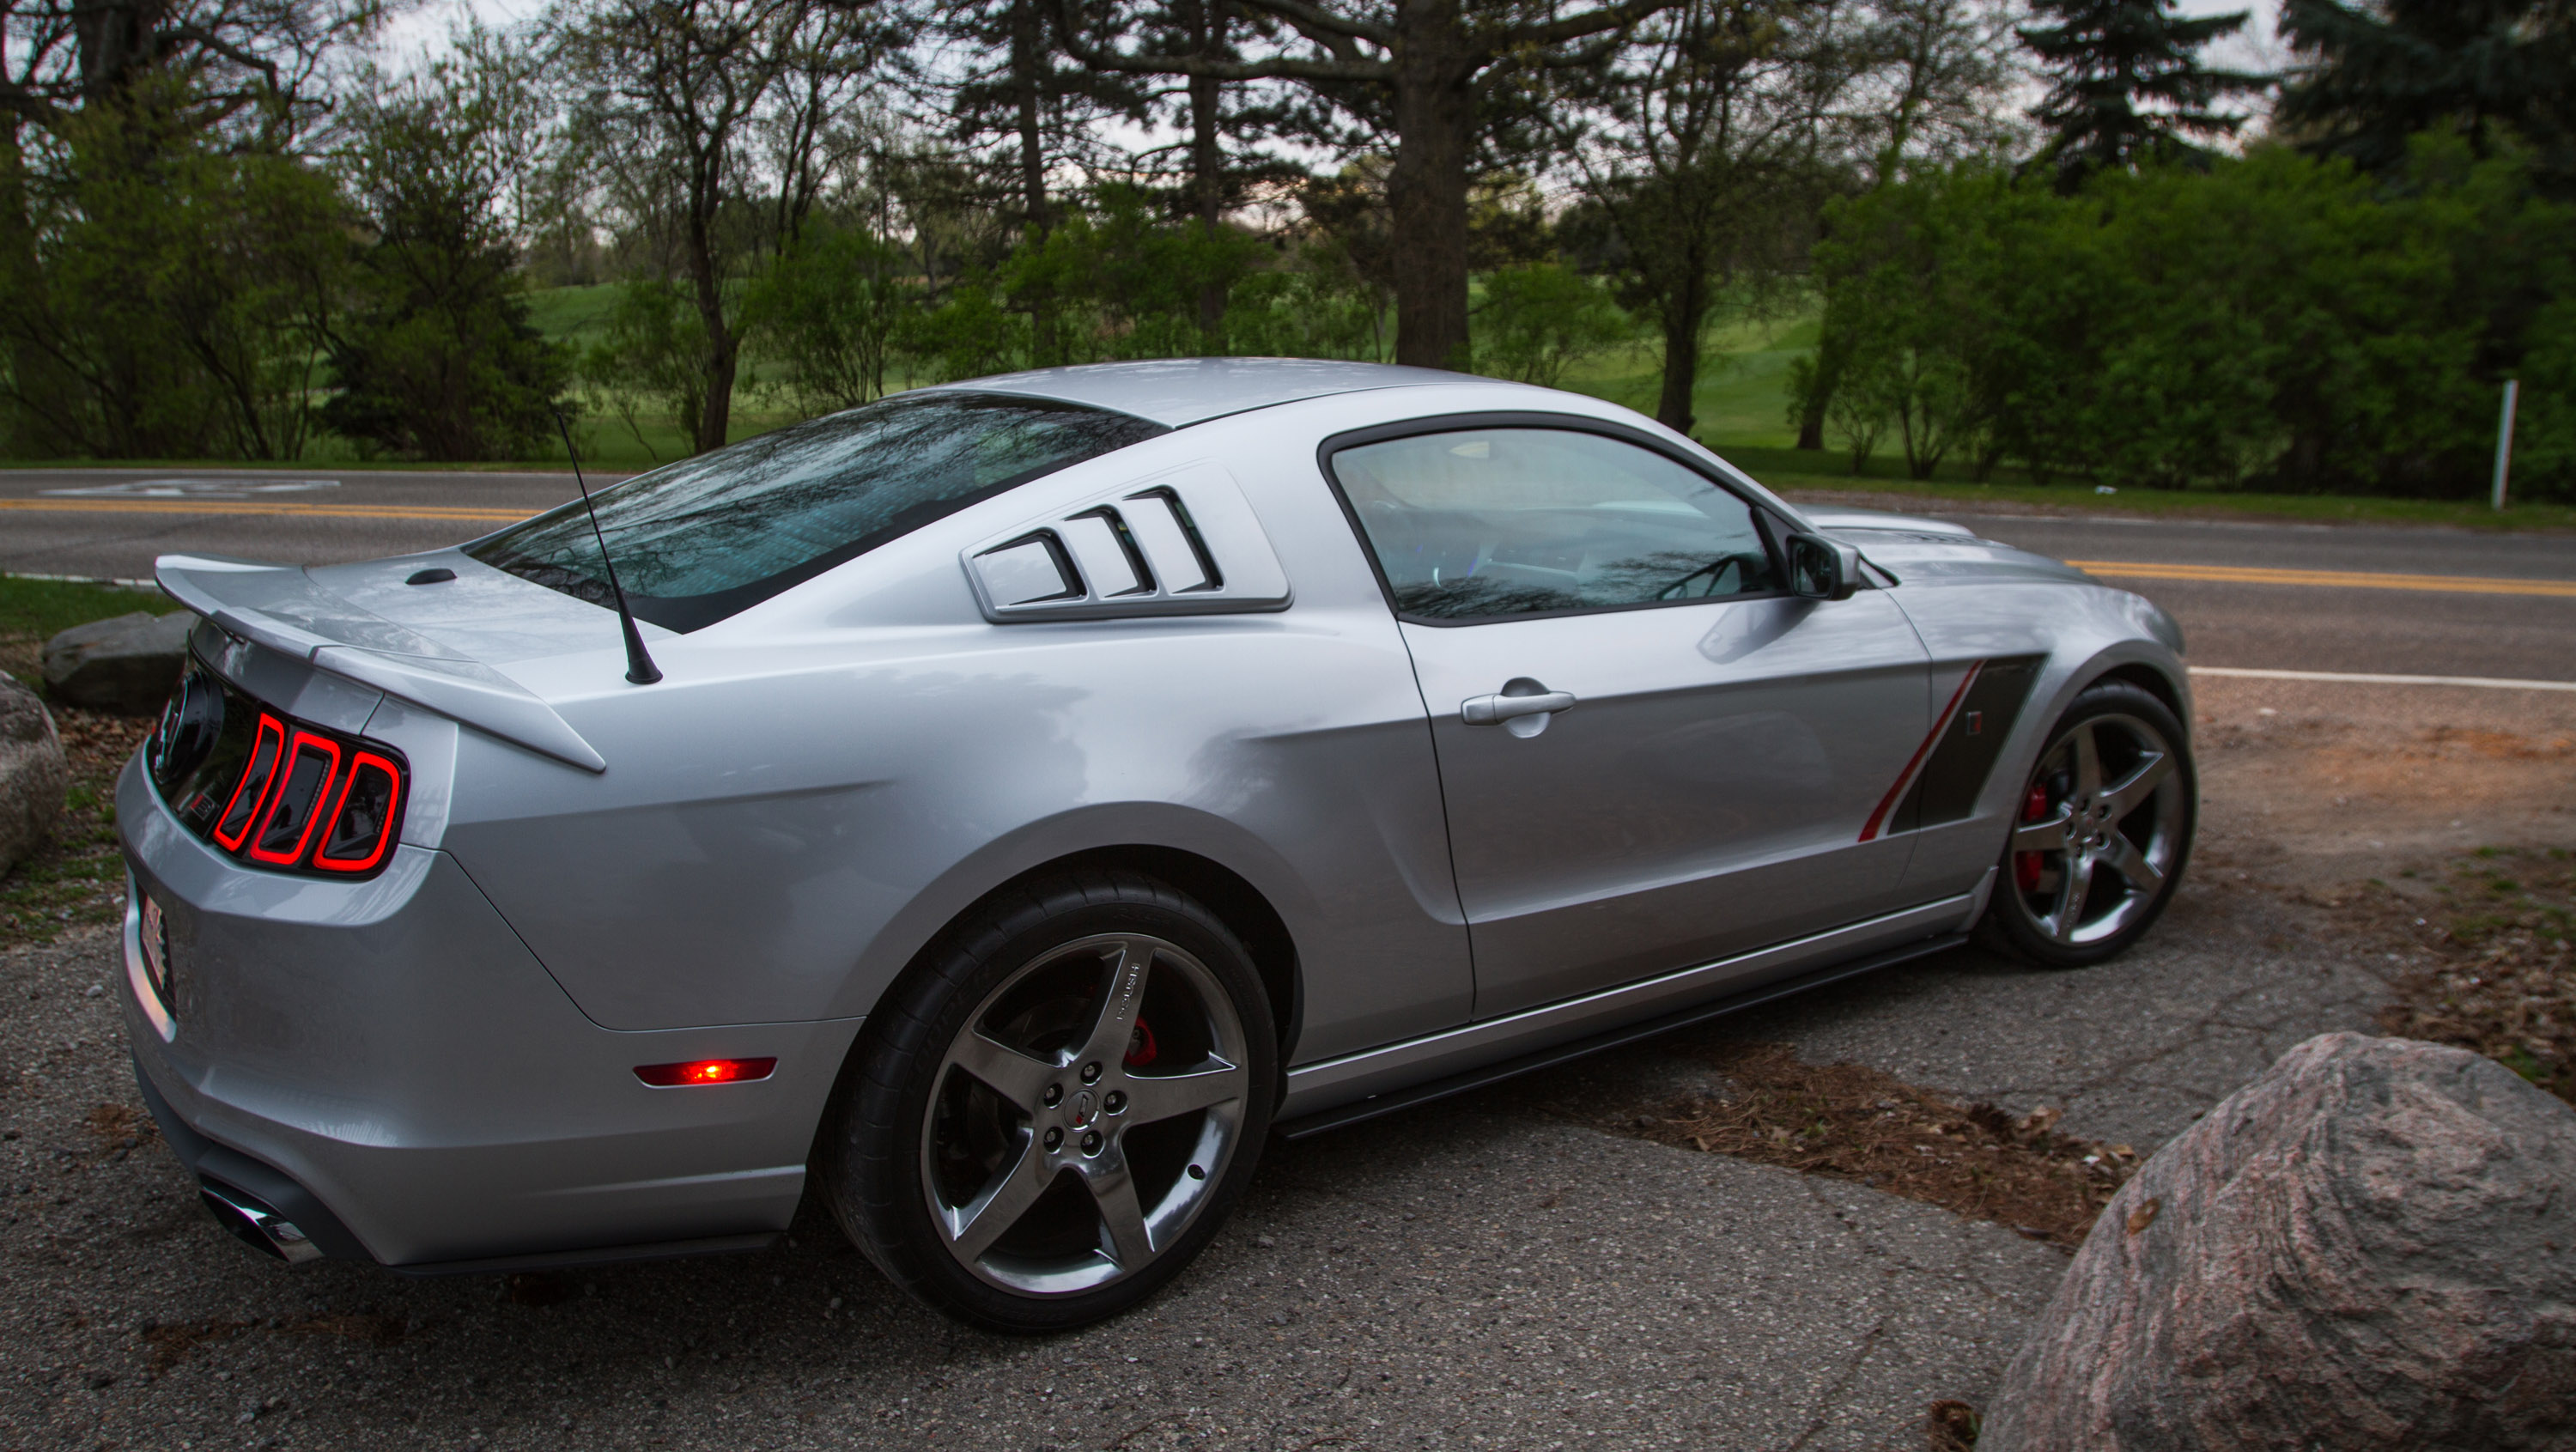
(1051, 1117)
(2100, 835)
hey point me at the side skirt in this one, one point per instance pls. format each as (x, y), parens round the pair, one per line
(1398, 1100)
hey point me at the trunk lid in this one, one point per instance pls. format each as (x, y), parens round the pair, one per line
(437, 646)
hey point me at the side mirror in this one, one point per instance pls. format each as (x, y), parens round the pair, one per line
(1822, 569)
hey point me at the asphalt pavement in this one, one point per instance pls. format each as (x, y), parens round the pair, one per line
(1490, 1273)
(2344, 598)
(2319, 597)
(111, 523)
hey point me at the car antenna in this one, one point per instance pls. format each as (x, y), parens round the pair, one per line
(639, 665)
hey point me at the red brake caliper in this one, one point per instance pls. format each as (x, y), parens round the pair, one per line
(1140, 1046)
(2027, 865)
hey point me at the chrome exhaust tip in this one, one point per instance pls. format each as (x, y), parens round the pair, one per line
(256, 1225)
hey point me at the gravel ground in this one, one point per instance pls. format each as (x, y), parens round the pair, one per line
(1490, 1273)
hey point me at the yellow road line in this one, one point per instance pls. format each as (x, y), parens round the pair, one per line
(2341, 579)
(226, 506)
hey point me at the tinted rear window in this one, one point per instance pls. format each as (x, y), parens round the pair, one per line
(712, 535)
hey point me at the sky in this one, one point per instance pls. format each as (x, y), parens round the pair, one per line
(421, 27)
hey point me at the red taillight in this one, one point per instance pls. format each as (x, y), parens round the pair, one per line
(266, 746)
(705, 1071)
(361, 826)
(295, 796)
(304, 788)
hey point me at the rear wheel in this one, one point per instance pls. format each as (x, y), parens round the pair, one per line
(1047, 1121)
(2102, 832)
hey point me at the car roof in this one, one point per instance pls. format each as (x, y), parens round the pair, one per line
(1177, 392)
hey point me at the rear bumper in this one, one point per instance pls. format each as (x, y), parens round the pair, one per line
(385, 1066)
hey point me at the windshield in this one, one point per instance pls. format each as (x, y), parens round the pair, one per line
(712, 535)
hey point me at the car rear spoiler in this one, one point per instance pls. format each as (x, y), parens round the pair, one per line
(280, 607)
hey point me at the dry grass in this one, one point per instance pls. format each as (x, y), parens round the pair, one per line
(2504, 983)
(1858, 1124)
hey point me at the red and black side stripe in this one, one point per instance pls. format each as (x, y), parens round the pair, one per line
(1948, 771)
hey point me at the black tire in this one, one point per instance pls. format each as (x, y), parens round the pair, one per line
(908, 1115)
(2028, 916)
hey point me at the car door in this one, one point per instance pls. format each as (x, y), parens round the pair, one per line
(1651, 754)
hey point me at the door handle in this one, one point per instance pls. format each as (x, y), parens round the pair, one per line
(1494, 710)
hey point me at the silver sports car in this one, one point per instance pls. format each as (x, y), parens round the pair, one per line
(1019, 799)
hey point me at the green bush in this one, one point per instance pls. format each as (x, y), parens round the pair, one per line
(1541, 318)
(2269, 322)
(829, 312)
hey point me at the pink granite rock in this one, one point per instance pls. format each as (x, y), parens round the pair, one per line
(2373, 1245)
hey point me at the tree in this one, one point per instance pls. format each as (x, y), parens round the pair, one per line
(100, 93)
(2372, 78)
(437, 358)
(1017, 86)
(1919, 82)
(830, 310)
(179, 291)
(2107, 56)
(250, 68)
(1704, 177)
(1433, 73)
(652, 354)
(1542, 318)
(1223, 124)
(677, 94)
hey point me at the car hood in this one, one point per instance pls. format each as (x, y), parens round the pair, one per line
(442, 646)
(1920, 550)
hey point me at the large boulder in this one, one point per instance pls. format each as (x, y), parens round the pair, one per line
(127, 664)
(2371, 1246)
(33, 773)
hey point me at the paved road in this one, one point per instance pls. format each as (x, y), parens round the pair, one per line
(110, 523)
(2274, 596)
(2439, 602)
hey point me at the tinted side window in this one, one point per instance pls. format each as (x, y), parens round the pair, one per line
(1485, 523)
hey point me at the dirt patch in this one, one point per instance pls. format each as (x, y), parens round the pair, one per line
(374, 1328)
(172, 1342)
(2315, 786)
(1859, 1124)
(2503, 979)
(119, 1126)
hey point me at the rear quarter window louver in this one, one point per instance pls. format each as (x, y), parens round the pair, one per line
(1181, 543)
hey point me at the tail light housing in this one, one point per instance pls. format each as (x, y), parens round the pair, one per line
(273, 791)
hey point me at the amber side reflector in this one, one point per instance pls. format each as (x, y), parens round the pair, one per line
(705, 1071)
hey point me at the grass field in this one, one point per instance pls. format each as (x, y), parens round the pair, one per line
(1741, 409)
(38, 609)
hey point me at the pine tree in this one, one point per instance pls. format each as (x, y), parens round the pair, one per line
(2129, 86)
(2374, 76)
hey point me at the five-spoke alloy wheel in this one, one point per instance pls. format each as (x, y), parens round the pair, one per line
(2102, 832)
(1062, 1107)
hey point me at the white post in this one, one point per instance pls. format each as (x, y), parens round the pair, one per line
(2504, 439)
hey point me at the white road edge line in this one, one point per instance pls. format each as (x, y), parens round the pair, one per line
(2350, 678)
(84, 580)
